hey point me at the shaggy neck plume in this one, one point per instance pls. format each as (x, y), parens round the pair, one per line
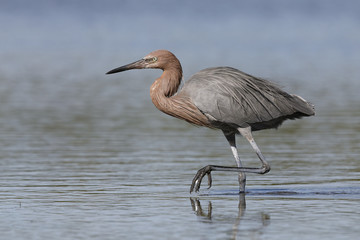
(162, 93)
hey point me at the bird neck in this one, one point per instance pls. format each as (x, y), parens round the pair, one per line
(165, 87)
(169, 82)
(163, 96)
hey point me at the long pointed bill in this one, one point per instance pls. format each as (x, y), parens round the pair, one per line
(135, 65)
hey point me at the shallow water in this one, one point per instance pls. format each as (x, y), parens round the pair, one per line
(87, 156)
(105, 181)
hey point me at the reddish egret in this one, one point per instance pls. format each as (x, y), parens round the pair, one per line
(221, 98)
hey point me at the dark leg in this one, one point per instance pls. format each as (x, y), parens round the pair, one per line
(242, 176)
(245, 132)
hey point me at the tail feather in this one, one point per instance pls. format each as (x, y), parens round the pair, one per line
(303, 106)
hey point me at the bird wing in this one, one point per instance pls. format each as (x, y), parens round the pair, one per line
(230, 96)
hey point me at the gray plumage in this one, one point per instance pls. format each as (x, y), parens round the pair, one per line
(231, 98)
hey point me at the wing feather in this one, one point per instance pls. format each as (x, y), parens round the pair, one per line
(234, 97)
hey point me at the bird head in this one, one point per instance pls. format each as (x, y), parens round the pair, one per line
(161, 59)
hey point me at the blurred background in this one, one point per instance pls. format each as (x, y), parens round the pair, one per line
(84, 154)
(55, 53)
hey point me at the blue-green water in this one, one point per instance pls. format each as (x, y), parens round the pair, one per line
(87, 156)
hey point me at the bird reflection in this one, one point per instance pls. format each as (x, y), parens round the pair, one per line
(206, 216)
(196, 207)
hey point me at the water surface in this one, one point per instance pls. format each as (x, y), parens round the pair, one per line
(87, 156)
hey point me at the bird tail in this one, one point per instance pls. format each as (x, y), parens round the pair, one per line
(303, 106)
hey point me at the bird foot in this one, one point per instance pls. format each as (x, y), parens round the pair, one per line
(196, 182)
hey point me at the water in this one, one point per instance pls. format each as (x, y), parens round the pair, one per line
(87, 156)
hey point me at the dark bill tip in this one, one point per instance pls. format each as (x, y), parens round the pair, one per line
(116, 70)
(135, 65)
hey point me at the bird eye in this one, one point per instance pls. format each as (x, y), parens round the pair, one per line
(151, 60)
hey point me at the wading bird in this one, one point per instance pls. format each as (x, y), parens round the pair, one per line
(221, 98)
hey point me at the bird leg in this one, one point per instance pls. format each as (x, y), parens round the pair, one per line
(245, 132)
(242, 176)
